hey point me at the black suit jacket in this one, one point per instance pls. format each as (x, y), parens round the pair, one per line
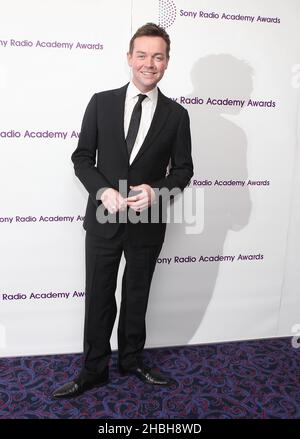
(101, 158)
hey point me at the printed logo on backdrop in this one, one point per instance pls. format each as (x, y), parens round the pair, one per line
(39, 134)
(212, 101)
(168, 14)
(38, 296)
(51, 44)
(54, 219)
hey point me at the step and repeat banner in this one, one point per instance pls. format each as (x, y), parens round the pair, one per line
(235, 66)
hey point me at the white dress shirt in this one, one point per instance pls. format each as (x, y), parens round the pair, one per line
(148, 109)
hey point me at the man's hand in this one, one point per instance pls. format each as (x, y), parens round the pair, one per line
(113, 200)
(143, 200)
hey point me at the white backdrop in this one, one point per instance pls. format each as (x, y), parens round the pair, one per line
(238, 80)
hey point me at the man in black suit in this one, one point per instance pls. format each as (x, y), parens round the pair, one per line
(135, 135)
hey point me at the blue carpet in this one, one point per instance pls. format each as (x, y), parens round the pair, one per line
(246, 380)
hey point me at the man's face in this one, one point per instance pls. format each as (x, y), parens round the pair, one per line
(148, 61)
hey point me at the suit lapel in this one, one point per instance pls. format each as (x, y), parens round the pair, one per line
(158, 122)
(119, 107)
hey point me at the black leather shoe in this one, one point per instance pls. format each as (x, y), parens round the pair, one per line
(76, 388)
(147, 375)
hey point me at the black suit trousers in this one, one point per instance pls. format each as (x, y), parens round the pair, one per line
(102, 263)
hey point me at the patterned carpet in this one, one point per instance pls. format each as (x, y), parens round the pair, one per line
(250, 379)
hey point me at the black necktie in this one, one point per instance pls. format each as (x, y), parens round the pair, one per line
(134, 123)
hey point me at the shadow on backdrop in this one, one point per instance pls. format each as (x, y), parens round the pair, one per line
(181, 292)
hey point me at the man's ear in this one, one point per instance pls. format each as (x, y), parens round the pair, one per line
(129, 58)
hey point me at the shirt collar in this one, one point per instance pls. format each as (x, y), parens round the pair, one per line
(133, 91)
